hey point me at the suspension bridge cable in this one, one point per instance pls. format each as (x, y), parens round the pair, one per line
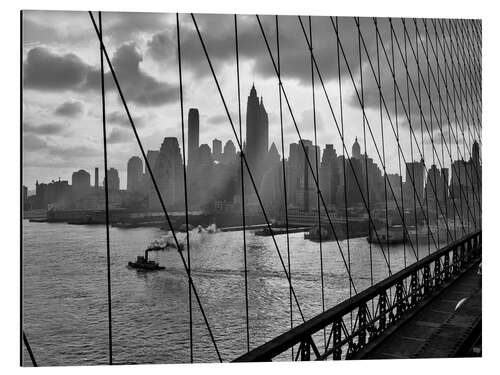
(339, 131)
(238, 141)
(410, 175)
(383, 149)
(405, 61)
(153, 180)
(432, 106)
(462, 127)
(440, 125)
(316, 155)
(421, 114)
(106, 196)
(362, 104)
(467, 121)
(467, 72)
(471, 94)
(473, 119)
(366, 119)
(344, 173)
(30, 352)
(242, 177)
(403, 219)
(283, 165)
(304, 149)
(181, 96)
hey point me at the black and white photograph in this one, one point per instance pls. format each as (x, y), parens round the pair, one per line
(234, 187)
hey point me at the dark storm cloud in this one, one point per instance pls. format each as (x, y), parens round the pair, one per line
(45, 70)
(70, 109)
(139, 86)
(48, 71)
(218, 34)
(43, 129)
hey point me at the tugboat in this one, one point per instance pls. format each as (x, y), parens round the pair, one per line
(144, 263)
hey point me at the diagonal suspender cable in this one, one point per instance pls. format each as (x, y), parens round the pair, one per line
(343, 170)
(30, 352)
(336, 123)
(383, 148)
(283, 167)
(181, 96)
(407, 115)
(304, 148)
(432, 106)
(317, 176)
(106, 197)
(362, 104)
(242, 177)
(155, 185)
(238, 141)
(421, 114)
(403, 218)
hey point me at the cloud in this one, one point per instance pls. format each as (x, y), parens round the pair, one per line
(46, 70)
(70, 109)
(43, 129)
(77, 151)
(120, 118)
(32, 142)
(118, 135)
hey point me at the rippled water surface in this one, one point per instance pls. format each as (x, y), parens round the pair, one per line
(65, 298)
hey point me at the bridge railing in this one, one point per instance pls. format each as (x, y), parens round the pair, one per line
(389, 300)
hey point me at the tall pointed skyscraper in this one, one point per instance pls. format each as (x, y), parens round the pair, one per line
(257, 134)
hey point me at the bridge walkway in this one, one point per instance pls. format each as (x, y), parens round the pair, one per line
(436, 329)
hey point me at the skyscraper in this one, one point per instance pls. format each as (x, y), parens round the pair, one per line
(257, 134)
(168, 174)
(356, 150)
(114, 179)
(80, 183)
(134, 174)
(193, 135)
(217, 149)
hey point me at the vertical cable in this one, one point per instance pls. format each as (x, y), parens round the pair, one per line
(242, 176)
(343, 158)
(411, 145)
(433, 177)
(284, 171)
(399, 151)
(317, 173)
(417, 60)
(106, 194)
(181, 96)
(368, 207)
(383, 144)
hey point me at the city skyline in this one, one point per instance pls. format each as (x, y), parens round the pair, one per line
(61, 124)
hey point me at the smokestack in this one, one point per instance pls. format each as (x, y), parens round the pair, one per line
(96, 178)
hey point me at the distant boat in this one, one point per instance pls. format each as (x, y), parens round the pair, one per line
(142, 262)
(395, 236)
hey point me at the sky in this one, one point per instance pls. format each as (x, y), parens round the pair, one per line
(62, 109)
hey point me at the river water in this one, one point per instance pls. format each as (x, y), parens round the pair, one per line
(65, 292)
